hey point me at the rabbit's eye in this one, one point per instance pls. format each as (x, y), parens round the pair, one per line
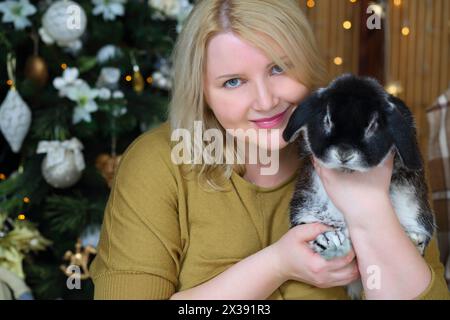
(372, 127)
(327, 123)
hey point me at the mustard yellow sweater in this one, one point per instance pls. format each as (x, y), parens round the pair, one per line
(162, 233)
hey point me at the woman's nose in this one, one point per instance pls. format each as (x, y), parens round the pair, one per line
(265, 99)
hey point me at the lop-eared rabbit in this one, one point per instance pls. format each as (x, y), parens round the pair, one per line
(353, 125)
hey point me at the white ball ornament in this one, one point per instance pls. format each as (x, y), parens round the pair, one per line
(64, 163)
(65, 22)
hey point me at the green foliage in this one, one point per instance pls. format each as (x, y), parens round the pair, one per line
(63, 214)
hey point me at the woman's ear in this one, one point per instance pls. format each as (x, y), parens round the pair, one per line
(301, 116)
(402, 129)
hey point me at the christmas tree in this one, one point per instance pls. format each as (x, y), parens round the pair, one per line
(79, 82)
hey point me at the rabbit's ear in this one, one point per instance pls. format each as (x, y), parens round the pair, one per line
(301, 116)
(402, 128)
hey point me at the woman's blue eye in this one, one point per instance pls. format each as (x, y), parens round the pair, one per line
(237, 79)
(230, 82)
(279, 68)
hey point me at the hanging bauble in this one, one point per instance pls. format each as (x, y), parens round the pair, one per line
(63, 165)
(36, 70)
(107, 165)
(138, 81)
(65, 22)
(15, 119)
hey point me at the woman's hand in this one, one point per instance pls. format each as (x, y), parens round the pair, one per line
(296, 261)
(357, 194)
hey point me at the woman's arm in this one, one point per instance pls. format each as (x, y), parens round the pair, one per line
(253, 278)
(381, 245)
(390, 265)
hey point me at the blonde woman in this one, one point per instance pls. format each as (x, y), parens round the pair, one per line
(220, 229)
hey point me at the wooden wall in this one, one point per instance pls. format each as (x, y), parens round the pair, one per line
(419, 62)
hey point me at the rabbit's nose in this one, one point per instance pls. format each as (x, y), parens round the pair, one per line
(345, 154)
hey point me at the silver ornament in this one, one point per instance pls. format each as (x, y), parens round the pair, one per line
(64, 22)
(63, 165)
(15, 119)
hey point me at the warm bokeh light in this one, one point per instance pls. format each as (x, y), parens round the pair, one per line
(149, 80)
(394, 88)
(310, 3)
(347, 25)
(26, 200)
(63, 66)
(405, 31)
(21, 217)
(128, 78)
(337, 61)
(397, 3)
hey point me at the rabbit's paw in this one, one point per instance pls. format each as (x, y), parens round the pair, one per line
(331, 244)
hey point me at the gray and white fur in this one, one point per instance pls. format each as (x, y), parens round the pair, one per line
(352, 125)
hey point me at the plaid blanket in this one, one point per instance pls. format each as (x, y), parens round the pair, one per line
(438, 116)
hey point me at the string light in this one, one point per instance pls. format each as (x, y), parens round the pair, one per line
(2, 176)
(149, 80)
(21, 216)
(394, 88)
(26, 200)
(337, 61)
(310, 3)
(405, 31)
(63, 66)
(347, 25)
(128, 78)
(9, 82)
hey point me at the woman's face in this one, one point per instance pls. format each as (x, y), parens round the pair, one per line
(244, 88)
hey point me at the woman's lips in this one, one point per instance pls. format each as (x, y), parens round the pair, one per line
(272, 122)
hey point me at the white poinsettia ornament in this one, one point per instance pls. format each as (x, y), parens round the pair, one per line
(107, 53)
(173, 9)
(68, 80)
(162, 77)
(108, 8)
(17, 13)
(63, 164)
(15, 119)
(84, 96)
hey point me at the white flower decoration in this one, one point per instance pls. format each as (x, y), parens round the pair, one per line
(118, 94)
(17, 12)
(84, 96)
(68, 80)
(104, 94)
(109, 8)
(108, 52)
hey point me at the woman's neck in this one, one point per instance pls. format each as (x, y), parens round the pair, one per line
(289, 162)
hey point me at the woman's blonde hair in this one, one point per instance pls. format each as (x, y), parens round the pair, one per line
(281, 20)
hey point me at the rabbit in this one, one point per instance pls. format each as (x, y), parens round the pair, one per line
(353, 125)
